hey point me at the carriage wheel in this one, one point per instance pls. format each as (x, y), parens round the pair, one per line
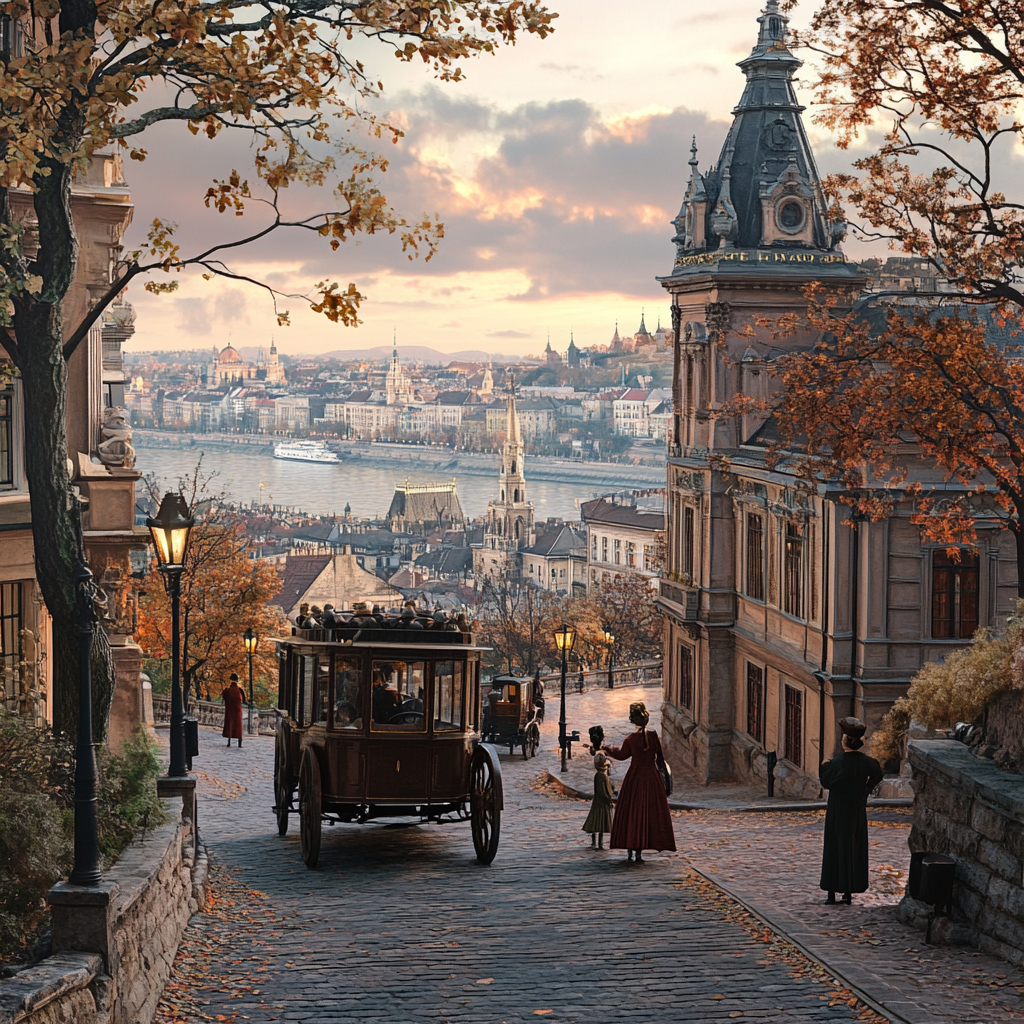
(309, 808)
(282, 783)
(485, 803)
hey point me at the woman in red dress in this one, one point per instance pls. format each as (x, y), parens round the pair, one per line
(232, 696)
(642, 818)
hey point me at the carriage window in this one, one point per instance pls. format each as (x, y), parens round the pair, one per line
(306, 698)
(447, 696)
(320, 690)
(397, 702)
(348, 693)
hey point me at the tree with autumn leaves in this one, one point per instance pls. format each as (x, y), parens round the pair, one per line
(101, 73)
(938, 375)
(223, 592)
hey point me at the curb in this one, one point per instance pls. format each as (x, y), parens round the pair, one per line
(677, 805)
(200, 874)
(784, 925)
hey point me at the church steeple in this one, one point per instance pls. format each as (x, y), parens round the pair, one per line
(510, 519)
(765, 191)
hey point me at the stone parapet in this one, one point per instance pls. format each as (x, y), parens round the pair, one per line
(968, 808)
(68, 988)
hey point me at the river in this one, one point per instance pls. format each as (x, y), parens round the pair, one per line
(248, 472)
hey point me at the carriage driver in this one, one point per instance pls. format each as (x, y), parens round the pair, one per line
(386, 701)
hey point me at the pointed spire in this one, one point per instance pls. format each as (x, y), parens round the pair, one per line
(394, 343)
(643, 326)
(693, 159)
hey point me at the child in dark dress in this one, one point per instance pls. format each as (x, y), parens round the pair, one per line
(599, 820)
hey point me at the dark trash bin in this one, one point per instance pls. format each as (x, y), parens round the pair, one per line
(191, 738)
(938, 872)
(914, 879)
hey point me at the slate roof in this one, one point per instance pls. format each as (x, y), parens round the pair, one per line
(446, 561)
(600, 510)
(297, 576)
(440, 504)
(561, 543)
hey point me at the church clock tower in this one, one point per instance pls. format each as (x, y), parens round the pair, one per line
(510, 519)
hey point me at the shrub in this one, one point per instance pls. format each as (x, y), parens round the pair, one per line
(957, 689)
(37, 817)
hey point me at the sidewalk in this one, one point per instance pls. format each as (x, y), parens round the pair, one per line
(769, 862)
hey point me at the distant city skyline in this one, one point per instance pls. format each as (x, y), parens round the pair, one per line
(556, 168)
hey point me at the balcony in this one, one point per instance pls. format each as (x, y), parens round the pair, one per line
(685, 598)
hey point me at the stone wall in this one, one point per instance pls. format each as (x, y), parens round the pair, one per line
(113, 943)
(966, 807)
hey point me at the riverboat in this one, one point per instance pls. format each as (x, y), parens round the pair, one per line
(305, 451)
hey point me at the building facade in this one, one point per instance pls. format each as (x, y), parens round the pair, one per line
(624, 535)
(783, 613)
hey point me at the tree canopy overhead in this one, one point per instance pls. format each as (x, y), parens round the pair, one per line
(79, 76)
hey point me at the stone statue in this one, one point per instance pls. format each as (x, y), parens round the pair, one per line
(115, 448)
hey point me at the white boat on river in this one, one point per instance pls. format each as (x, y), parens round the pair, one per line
(305, 451)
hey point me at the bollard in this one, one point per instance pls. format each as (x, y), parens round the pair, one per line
(773, 760)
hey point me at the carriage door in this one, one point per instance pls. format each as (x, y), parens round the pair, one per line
(398, 755)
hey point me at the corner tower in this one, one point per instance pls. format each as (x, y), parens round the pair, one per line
(754, 584)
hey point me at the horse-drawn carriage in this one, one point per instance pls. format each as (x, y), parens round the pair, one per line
(512, 714)
(380, 720)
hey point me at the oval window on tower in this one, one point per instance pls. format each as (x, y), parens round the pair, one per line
(791, 215)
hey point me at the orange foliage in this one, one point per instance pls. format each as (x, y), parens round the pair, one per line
(224, 592)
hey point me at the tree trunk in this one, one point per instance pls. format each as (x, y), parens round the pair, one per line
(1018, 537)
(39, 332)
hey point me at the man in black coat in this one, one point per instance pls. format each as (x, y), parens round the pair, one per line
(849, 778)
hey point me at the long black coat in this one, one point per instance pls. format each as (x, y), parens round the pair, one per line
(849, 778)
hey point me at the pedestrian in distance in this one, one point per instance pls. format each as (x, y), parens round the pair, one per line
(599, 820)
(849, 778)
(642, 818)
(233, 697)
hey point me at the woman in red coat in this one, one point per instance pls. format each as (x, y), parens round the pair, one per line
(642, 818)
(233, 697)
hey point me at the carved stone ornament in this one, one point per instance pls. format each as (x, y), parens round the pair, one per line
(115, 447)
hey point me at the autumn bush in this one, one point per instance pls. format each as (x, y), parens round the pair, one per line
(957, 689)
(37, 819)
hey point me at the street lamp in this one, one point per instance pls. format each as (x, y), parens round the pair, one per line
(565, 640)
(251, 640)
(170, 530)
(609, 640)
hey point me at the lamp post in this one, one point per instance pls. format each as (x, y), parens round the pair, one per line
(565, 640)
(251, 640)
(170, 530)
(86, 870)
(610, 640)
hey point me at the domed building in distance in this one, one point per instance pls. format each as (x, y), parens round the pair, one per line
(228, 367)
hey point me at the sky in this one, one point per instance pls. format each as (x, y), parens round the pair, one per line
(556, 167)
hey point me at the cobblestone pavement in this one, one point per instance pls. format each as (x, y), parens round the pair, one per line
(399, 923)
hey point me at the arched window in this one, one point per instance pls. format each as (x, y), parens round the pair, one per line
(516, 493)
(513, 467)
(502, 495)
(775, 28)
(517, 529)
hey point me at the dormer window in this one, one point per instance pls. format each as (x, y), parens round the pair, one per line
(776, 28)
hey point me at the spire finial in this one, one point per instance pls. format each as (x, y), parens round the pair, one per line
(693, 154)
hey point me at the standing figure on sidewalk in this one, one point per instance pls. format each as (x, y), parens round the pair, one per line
(642, 820)
(233, 696)
(599, 820)
(849, 778)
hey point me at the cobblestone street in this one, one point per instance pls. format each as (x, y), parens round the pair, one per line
(399, 923)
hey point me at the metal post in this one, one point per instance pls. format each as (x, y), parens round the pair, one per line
(561, 715)
(177, 768)
(252, 703)
(611, 678)
(87, 848)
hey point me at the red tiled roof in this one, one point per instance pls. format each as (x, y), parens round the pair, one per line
(297, 575)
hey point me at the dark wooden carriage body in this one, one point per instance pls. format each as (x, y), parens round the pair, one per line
(512, 714)
(383, 723)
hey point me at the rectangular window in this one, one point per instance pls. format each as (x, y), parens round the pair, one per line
(397, 697)
(306, 701)
(755, 702)
(755, 556)
(618, 551)
(321, 688)
(349, 693)
(794, 725)
(604, 549)
(447, 696)
(954, 595)
(688, 541)
(686, 677)
(630, 553)
(10, 635)
(6, 439)
(593, 547)
(793, 560)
